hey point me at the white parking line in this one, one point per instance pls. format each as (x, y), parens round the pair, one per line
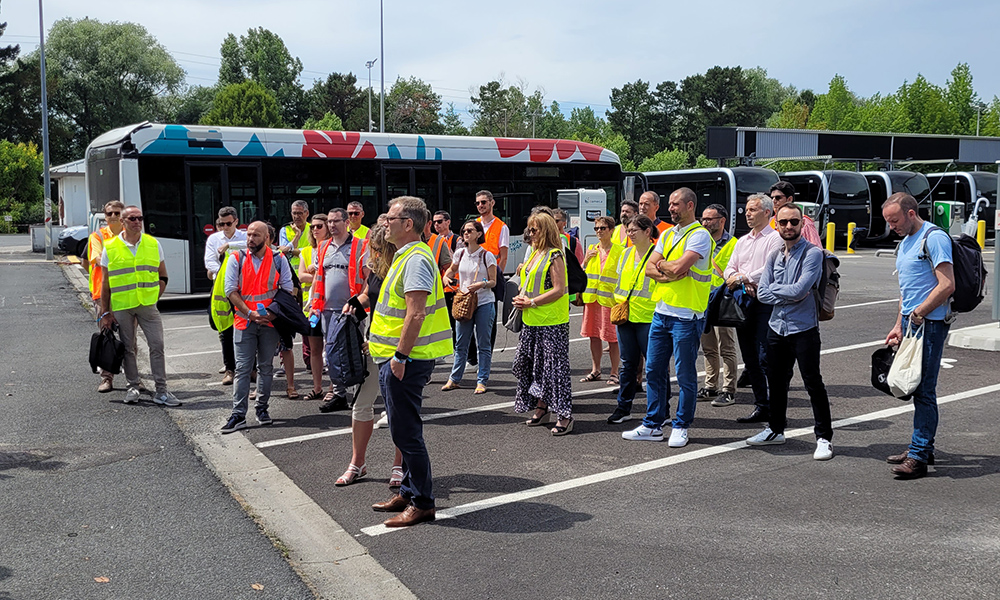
(868, 303)
(455, 511)
(188, 327)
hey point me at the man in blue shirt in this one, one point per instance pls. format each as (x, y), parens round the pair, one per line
(789, 283)
(926, 282)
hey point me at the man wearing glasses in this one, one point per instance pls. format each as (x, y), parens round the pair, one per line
(783, 193)
(135, 276)
(92, 263)
(356, 212)
(719, 343)
(229, 236)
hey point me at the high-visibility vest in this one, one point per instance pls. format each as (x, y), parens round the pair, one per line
(293, 261)
(450, 240)
(619, 237)
(434, 339)
(720, 260)
(95, 246)
(306, 259)
(361, 232)
(258, 286)
(692, 290)
(601, 282)
(134, 279)
(663, 226)
(436, 243)
(355, 274)
(222, 310)
(492, 242)
(633, 279)
(533, 282)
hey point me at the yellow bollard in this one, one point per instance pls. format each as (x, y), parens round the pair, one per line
(850, 237)
(830, 232)
(981, 234)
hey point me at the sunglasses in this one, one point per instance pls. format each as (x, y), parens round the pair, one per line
(470, 231)
(438, 222)
(319, 225)
(354, 213)
(778, 197)
(792, 222)
(117, 213)
(482, 202)
(531, 230)
(134, 219)
(601, 228)
(226, 223)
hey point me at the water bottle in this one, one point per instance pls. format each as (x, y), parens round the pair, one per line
(261, 309)
(314, 320)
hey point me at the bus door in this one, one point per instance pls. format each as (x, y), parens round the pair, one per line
(878, 192)
(422, 181)
(210, 187)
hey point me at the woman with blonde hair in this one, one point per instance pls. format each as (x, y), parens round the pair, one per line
(541, 365)
(318, 233)
(601, 264)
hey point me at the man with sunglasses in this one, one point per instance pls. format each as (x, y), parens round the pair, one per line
(356, 212)
(92, 263)
(135, 276)
(788, 283)
(228, 236)
(783, 193)
(498, 243)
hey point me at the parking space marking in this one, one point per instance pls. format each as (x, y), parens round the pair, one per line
(456, 511)
(868, 303)
(188, 327)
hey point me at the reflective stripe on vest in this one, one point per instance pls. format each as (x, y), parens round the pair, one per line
(305, 260)
(692, 291)
(222, 310)
(533, 282)
(256, 286)
(720, 260)
(436, 243)
(134, 279)
(355, 271)
(293, 261)
(434, 338)
(95, 242)
(640, 304)
(601, 281)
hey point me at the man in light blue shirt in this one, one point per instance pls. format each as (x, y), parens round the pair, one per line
(789, 281)
(926, 282)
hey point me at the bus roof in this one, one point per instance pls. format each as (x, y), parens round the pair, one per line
(211, 141)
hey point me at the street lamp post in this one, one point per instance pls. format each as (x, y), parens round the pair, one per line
(45, 138)
(370, 64)
(381, 99)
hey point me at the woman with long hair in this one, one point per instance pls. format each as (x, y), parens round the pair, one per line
(541, 365)
(600, 263)
(380, 254)
(476, 270)
(318, 233)
(634, 288)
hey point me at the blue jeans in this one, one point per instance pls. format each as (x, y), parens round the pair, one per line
(672, 336)
(752, 336)
(403, 401)
(482, 323)
(255, 343)
(925, 408)
(632, 341)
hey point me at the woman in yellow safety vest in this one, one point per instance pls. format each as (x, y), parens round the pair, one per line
(601, 264)
(541, 365)
(635, 288)
(318, 233)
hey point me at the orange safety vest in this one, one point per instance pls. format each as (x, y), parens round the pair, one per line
(256, 287)
(97, 240)
(436, 243)
(663, 226)
(492, 243)
(355, 275)
(448, 240)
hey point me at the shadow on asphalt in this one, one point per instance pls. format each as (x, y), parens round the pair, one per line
(5, 573)
(475, 483)
(33, 460)
(521, 517)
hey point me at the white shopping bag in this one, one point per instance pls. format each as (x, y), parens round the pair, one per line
(904, 375)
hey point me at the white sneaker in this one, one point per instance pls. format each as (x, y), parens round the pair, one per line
(643, 433)
(766, 438)
(678, 437)
(383, 421)
(824, 450)
(132, 395)
(166, 399)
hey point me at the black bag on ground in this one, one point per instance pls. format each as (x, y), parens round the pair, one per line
(345, 361)
(106, 352)
(970, 273)
(881, 363)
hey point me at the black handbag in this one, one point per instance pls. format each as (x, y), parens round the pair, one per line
(881, 363)
(724, 309)
(106, 352)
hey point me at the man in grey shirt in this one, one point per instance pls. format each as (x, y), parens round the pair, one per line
(788, 283)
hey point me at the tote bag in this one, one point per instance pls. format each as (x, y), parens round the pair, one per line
(904, 375)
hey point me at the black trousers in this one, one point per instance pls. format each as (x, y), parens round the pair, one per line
(782, 352)
(228, 353)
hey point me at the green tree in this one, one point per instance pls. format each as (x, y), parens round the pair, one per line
(340, 94)
(880, 113)
(666, 160)
(962, 100)
(767, 94)
(261, 56)
(791, 115)
(667, 108)
(722, 96)
(452, 123)
(411, 106)
(617, 143)
(552, 124)
(189, 106)
(329, 122)
(585, 125)
(924, 107)
(504, 110)
(632, 116)
(835, 110)
(20, 184)
(246, 104)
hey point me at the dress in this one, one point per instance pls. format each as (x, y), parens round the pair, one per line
(541, 368)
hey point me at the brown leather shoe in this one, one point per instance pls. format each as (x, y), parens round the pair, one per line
(395, 504)
(411, 516)
(910, 468)
(106, 385)
(897, 459)
(227, 379)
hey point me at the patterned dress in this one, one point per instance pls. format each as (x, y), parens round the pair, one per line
(541, 368)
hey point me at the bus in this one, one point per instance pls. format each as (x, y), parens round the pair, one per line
(969, 188)
(182, 174)
(842, 197)
(881, 185)
(729, 187)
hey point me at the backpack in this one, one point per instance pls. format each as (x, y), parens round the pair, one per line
(346, 363)
(829, 286)
(577, 276)
(970, 274)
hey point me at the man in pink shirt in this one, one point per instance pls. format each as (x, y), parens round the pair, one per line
(781, 194)
(744, 271)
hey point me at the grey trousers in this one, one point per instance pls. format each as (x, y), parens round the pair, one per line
(148, 319)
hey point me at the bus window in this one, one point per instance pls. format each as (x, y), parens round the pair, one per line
(164, 201)
(514, 209)
(848, 188)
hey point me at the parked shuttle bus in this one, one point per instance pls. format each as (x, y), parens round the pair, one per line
(842, 197)
(881, 185)
(969, 188)
(182, 174)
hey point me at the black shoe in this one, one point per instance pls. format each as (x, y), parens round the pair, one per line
(235, 423)
(619, 416)
(473, 362)
(263, 418)
(706, 393)
(757, 416)
(338, 403)
(744, 380)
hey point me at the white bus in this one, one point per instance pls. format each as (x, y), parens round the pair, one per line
(182, 174)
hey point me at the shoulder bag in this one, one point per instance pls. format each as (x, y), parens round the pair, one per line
(464, 304)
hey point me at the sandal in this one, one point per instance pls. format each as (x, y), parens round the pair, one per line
(537, 420)
(352, 474)
(329, 397)
(560, 430)
(480, 389)
(592, 376)
(613, 380)
(451, 385)
(396, 479)
(315, 395)
(292, 393)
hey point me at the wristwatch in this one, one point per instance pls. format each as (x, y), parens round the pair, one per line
(533, 305)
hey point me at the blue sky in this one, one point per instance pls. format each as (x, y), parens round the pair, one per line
(574, 51)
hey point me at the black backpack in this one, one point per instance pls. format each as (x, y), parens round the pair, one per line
(577, 276)
(346, 362)
(970, 273)
(829, 286)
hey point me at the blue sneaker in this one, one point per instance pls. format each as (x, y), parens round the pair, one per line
(235, 423)
(263, 418)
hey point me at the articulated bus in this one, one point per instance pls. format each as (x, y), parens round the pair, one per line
(726, 186)
(881, 185)
(842, 197)
(969, 188)
(182, 174)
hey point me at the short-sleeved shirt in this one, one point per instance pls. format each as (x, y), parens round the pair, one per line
(215, 241)
(335, 269)
(418, 276)
(475, 267)
(916, 272)
(699, 242)
(131, 247)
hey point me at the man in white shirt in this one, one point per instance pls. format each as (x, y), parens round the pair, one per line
(228, 237)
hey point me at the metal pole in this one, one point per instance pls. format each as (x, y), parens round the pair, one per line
(370, 64)
(996, 263)
(45, 139)
(381, 35)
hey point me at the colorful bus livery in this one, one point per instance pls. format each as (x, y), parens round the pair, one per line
(181, 175)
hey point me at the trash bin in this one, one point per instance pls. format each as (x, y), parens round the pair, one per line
(949, 216)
